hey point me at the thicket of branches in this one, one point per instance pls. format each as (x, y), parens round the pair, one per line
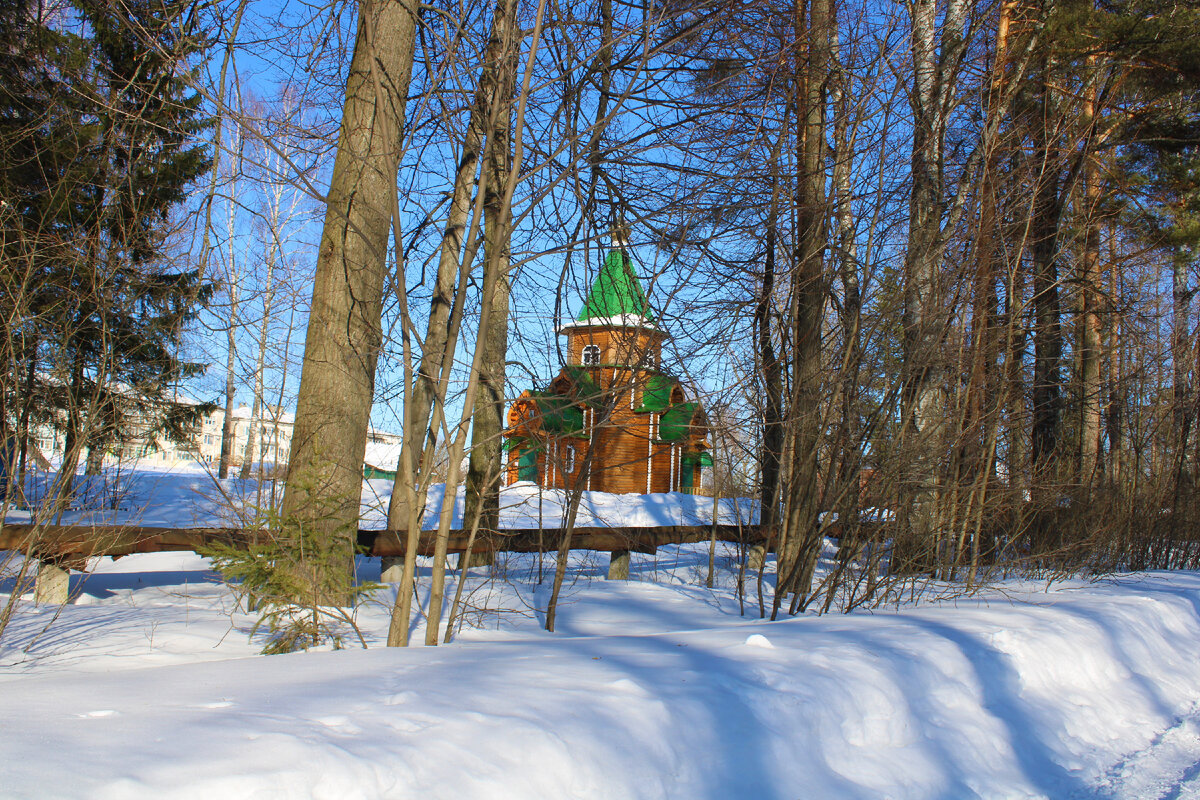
(935, 265)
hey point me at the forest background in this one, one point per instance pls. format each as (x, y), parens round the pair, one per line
(936, 258)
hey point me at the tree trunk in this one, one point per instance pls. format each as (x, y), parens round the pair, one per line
(256, 444)
(986, 336)
(846, 463)
(923, 400)
(1183, 408)
(227, 427)
(1089, 312)
(338, 374)
(1113, 417)
(487, 428)
(1047, 329)
(801, 539)
(429, 385)
(772, 381)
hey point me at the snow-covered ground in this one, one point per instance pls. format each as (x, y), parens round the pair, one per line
(193, 498)
(150, 686)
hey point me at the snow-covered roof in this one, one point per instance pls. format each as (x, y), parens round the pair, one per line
(384, 455)
(618, 321)
(267, 414)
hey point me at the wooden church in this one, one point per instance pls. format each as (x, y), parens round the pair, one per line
(611, 401)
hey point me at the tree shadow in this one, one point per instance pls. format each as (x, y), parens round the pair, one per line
(1000, 686)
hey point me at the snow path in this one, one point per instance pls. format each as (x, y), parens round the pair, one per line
(1169, 769)
(650, 690)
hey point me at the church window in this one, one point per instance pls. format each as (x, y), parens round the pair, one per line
(591, 354)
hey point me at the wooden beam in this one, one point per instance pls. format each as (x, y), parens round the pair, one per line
(528, 540)
(84, 541)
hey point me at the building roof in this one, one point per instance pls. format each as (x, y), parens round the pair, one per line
(617, 293)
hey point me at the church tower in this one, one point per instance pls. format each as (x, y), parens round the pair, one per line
(613, 400)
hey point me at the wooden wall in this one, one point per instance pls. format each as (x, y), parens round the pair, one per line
(617, 345)
(624, 451)
(626, 446)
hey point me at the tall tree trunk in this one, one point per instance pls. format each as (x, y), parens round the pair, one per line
(1181, 357)
(1113, 417)
(1017, 455)
(232, 280)
(801, 539)
(254, 437)
(1089, 298)
(1046, 434)
(986, 336)
(429, 384)
(28, 399)
(338, 374)
(227, 426)
(256, 446)
(771, 371)
(923, 395)
(487, 426)
(846, 461)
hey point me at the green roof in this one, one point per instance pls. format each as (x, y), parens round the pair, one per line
(586, 388)
(616, 292)
(675, 424)
(656, 396)
(559, 414)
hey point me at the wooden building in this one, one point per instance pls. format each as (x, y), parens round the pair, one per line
(611, 402)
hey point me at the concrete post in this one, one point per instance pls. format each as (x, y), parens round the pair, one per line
(53, 585)
(391, 569)
(618, 566)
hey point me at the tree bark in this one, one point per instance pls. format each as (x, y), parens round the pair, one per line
(227, 426)
(428, 387)
(1183, 408)
(256, 444)
(338, 373)
(923, 392)
(771, 373)
(1089, 315)
(487, 427)
(801, 538)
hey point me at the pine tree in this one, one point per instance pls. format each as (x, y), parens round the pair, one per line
(120, 301)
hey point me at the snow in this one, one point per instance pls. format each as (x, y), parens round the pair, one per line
(149, 686)
(382, 455)
(617, 321)
(191, 496)
(526, 505)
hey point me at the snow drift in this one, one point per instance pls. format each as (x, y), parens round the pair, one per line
(650, 690)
